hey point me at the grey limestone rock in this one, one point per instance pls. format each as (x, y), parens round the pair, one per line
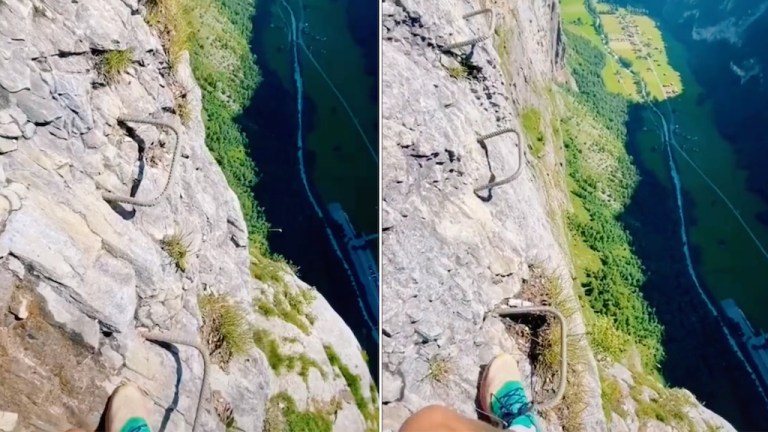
(96, 273)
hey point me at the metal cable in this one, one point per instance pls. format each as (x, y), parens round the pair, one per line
(479, 38)
(528, 310)
(179, 340)
(108, 196)
(517, 172)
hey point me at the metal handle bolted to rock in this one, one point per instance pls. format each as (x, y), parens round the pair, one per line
(174, 163)
(529, 310)
(478, 39)
(517, 172)
(177, 340)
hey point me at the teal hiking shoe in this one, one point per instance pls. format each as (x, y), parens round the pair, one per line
(503, 397)
(128, 410)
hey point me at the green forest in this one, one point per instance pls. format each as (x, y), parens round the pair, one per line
(596, 132)
(227, 74)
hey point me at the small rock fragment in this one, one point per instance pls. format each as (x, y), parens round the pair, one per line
(392, 387)
(12, 198)
(8, 421)
(20, 308)
(8, 145)
(111, 358)
(428, 331)
(29, 130)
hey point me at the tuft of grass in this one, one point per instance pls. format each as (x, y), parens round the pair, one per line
(225, 328)
(176, 246)
(175, 22)
(364, 355)
(546, 353)
(288, 305)
(610, 393)
(670, 407)
(267, 269)
(370, 414)
(114, 63)
(531, 118)
(283, 416)
(280, 362)
(439, 369)
(458, 72)
(181, 106)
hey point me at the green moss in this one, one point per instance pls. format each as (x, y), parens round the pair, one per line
(370, 414)
(225, 327)
(280, 362)
(283, 416)
(501, 43)
(291, 306)
(114, 63)
(374, 394)
(531, 118)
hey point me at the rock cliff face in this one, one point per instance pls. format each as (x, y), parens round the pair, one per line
(80, 276)
(451, 255)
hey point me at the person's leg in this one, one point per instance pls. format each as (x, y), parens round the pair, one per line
(501, 395)
(128, 410)
(438, 418)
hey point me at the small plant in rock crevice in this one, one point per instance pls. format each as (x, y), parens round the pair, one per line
(458, 72)
(439, 369)
(181, 106)
(39, 11)
(176, 246)
(225, 327)
(114, 63)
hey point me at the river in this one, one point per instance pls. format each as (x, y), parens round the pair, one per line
(312, 126)
(696, 230)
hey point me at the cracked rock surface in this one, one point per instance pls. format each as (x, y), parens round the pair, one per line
(451, 255)
(79, 276)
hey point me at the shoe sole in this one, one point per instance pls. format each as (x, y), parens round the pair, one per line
(485, 403)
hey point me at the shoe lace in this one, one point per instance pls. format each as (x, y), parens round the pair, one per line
(512, 405)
